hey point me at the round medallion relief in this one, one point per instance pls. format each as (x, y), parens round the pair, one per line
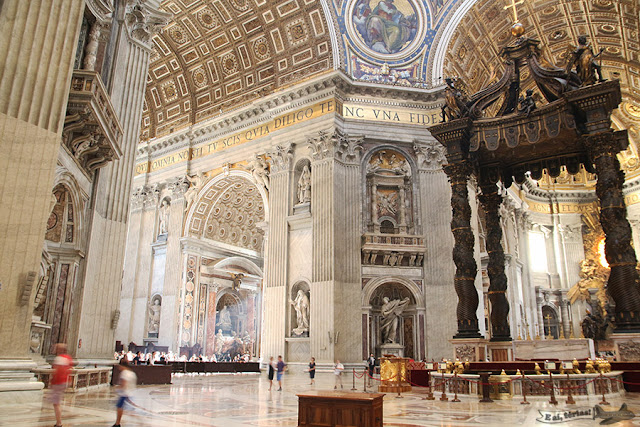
(386, 29)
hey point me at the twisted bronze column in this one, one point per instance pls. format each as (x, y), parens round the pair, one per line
(463, 258)
(623, 280)
(491, 202)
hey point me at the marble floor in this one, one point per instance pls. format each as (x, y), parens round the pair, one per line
(244, 400)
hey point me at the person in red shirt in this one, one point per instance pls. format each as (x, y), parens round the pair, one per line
(62, 365)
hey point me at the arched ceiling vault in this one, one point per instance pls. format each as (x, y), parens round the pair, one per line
(218, 54)
(473, 52)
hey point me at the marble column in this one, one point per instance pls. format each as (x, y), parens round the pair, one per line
(564, 312)
(108, 216)
(623, 280)
(463, 250)
(491, 201)
(540, 318)
(38, 43)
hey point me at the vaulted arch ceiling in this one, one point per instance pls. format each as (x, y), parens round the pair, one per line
(219, 54)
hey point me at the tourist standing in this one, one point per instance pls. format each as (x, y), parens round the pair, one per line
(271, 372)
(281, 367)
(371, 366)
(312, 370)
(61, 368)
(126, 386)
(337, 371)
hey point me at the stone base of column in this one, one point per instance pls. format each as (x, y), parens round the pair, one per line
(500, 333)
(500, 351)
(626, 346)
(627, 322)
(471, 349)
(467, 329)
(17, 383)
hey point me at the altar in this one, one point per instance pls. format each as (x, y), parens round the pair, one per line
(561, 349)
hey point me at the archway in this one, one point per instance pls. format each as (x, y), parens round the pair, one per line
(393, 318)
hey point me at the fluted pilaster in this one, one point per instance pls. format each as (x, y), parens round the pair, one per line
(38, 43)
(276, 269)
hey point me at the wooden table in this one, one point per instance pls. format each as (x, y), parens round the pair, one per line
(325, 408)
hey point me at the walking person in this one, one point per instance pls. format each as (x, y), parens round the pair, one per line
(312, 370)
(271, 371)
(337, 370)
(371, 366)
(280, 367)
(126, 386)
(61, 368)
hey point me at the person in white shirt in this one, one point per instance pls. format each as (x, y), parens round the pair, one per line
(126, 386)
(337, 371)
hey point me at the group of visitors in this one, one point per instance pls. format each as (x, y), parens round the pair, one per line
(278, 369)
(62, 365)
(155, 357)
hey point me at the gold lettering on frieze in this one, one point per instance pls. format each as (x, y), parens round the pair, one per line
(391, 115)
(632, 199)
(562, 208)
(257, 132)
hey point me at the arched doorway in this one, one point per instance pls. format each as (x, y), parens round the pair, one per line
(393, 318)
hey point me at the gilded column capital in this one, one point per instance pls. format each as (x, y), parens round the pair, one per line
(143, 21)
(605, 143)
(458, 172)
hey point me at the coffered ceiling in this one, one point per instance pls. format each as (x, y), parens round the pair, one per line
(216, 55)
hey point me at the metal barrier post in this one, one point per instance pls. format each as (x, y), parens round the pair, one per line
(430, 391)
(524, 392)
(364, 379)
(354, 381)
(444, 397)
(455, 387)
(553, 400)
(604, 388)
(570, 400)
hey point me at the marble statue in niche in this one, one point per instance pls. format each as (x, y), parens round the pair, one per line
(301, 306)
(304, 186)
(224, 319)
(196, 181)
(219, 342)
(260, 171)
(154, 315)
(391, 314)
(385, 26)
(163, 218)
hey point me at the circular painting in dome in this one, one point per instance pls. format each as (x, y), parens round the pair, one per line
(385, 27)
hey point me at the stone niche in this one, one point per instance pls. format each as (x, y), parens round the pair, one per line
(389, 193)
(390, 238)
